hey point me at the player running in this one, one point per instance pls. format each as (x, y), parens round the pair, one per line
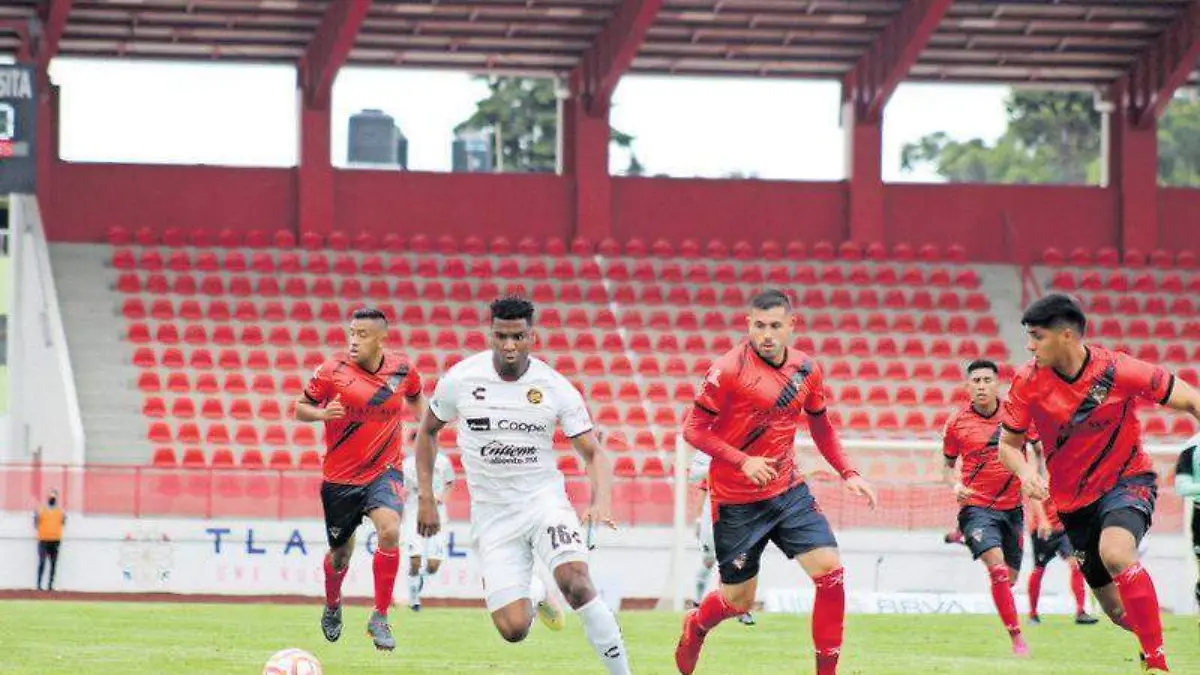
(698, 475)
(1082, 400)
(507, 405)
(990, 518)
(745, 417)
(1050, 540)
(425, 554)
(360, 397)
(1187, 485)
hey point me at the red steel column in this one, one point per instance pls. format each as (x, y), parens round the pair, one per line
(585, 148)
(1133, 172)
(864, 164)
(314, 175)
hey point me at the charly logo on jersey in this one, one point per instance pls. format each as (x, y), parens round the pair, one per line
(534, 395)
(479, 423)
(496, 452)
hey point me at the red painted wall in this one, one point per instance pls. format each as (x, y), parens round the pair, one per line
(87, 199)
(458, 204)
(973, 215)
(1179, 219)
(753, 210)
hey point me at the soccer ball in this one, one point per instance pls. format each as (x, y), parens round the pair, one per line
(292, 662)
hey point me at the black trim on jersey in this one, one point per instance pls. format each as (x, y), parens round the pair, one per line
(791, 388)
(754, 436)
(993, 441)
(760, 357)
(710, 412)
(1014, 431)
(981, 415)
(311, 399)
(1170, 390)
(346, 434)
(817, 413)
(1112, 440)
(571, 438)
(1088, 405)
(370, 463)
(1087, 358)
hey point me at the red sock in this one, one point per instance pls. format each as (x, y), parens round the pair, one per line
(713, 610)
(333, 583)
(828, 619)
(1141, 606)
(1003, 597)
(1035, 588)
(1077, 587)
(386, 565)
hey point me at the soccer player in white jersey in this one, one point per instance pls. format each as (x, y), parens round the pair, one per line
(698, 475)
(507, 405)
(425, 554)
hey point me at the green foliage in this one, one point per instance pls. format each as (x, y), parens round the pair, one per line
(523, 111)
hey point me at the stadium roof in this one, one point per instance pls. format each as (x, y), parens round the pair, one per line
(1047, 42)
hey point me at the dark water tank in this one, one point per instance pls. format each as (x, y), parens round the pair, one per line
(374, 138)
(471, 152)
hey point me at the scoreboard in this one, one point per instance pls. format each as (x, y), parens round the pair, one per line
(18, 115)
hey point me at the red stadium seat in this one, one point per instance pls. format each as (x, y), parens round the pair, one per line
(716, 249)
(1107, 257)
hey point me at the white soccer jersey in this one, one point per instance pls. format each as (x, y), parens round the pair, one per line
(506, 429)
(443, 478)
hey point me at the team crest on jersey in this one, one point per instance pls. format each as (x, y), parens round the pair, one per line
(1099, 391)
(739, 562)
(534, 395)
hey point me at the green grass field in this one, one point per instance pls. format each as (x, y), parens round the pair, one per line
(46, 638)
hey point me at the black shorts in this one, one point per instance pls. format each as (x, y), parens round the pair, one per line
(1044, 550)
(791, 520)
(48, 549)
(1196, 529)
(346, 505)
(1129, 505)
(986, 529)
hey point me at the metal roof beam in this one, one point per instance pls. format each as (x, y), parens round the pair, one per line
(613, 51)
(894, 51)
(1163, 67)
(330, 45)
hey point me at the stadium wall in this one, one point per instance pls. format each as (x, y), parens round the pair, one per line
(887, 570)
(89, 198)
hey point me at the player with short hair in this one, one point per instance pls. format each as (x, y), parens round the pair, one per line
(360, 397)
(1187, 485)
(507, 405)
(745, 417)
(698, 475)
(1083, 401)
(425, 554)
(990, 518)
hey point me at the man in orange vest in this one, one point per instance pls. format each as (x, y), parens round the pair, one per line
(49, 521)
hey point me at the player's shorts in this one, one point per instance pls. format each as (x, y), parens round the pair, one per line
(1044, 550)
(1196, 529)
(986, 529)
(1129, 505)
(429, 548)
(791, 520)
(346, 505)
(507, 539)
(708, 549)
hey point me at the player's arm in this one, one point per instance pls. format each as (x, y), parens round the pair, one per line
(599, 471)
(319, 402)
(1014, 426)
(951, 450)
(827, 441)
(440, 411)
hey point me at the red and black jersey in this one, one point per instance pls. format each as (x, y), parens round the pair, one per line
(975, 438)
(366, 442)
(757, 407)
(1088, 422)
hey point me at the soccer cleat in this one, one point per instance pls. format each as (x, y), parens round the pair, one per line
(381, 632)
(691, 640)
(1085, 619)
(416, 607)
(746, 619)
(1035, 618)
(331, 623)
(955, 537)
(1156, 664)
(1020, 647)
(551, 615)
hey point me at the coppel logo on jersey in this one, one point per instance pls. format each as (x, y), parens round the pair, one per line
(518, 425)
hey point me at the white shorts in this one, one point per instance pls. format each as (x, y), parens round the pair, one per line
(430, 548)
(507, 539)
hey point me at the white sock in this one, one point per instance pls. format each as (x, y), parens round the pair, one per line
(537, 591)
(702, 576)
(602, 631)
(414, 589)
